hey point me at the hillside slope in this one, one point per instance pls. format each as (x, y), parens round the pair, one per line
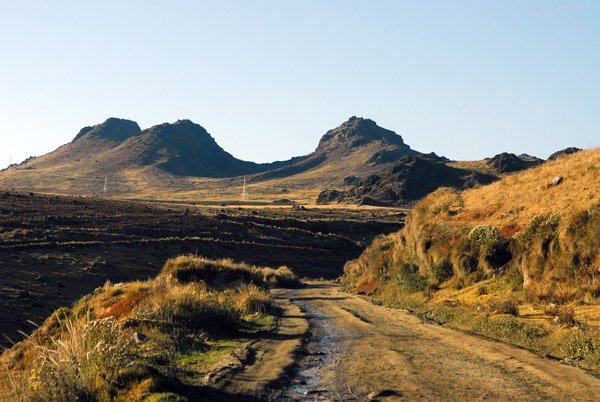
(181, 161)
(548, 213)
(527, 245)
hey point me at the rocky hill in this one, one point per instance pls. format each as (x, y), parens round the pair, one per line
(87, 145)
(182, 148)
(409, 179)
(563, 152)
(357, 132)
(358, 144)
(510, 163)
(359, 162)
(182, 161)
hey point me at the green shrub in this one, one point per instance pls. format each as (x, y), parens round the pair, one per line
(484, 237)
(542, 227)
(508, 329)
(441, 271)
(580, 346)
(409, 278)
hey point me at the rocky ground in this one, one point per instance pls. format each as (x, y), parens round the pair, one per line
(55, 249)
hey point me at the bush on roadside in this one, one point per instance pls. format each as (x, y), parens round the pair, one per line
(504, 306)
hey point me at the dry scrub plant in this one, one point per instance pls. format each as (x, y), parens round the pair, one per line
(121, 342)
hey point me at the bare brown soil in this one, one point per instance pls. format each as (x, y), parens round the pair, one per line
(362, 351)
(56, 249)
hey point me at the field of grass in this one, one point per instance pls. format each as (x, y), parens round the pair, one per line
(518, 260)
(146, 340)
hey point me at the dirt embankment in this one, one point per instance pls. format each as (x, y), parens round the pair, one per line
(361, 351)
(56, 249)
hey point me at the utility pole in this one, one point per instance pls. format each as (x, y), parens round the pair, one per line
(244, 195)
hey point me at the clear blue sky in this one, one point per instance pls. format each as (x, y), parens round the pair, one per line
(465, 79)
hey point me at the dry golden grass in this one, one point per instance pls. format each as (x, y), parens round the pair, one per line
(518, 197)
(93, 350)
(479, 166)
(516, 246)
(84, 177)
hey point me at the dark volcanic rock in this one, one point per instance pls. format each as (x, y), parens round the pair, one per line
(112, 129)
(562, 152)
(386, 156)
(357, 132)
(409, 180)
(327, 196)
(350, 180)
(508, 163)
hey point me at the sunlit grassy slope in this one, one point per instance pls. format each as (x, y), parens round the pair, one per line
(84, 178)
(520, 196)
(181, 161)
(518, 260)
(144, 341)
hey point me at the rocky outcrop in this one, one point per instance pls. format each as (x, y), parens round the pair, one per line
(410, 179)
(113, 129)
(509, 163)
(357, 132)
(563, 152)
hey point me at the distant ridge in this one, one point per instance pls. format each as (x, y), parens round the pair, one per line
(357, 162)
(182, 149)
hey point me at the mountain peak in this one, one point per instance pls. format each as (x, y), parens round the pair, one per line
(113, 129)
(183, 132)
(357, 132)
(354, 121)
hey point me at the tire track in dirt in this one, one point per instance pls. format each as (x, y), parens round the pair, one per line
(362, 351)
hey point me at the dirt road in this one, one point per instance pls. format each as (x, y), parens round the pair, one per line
(361, 351)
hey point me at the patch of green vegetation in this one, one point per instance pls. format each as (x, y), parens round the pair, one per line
(158, 336)
(581, 348)
(441, 271)
(258, 322)
(204, 359)
(511, 330)
(110, 302)
(410, 279)
(165, 397)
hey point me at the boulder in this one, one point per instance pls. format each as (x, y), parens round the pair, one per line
(556, 181)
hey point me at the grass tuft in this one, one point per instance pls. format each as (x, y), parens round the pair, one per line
(135, 341)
